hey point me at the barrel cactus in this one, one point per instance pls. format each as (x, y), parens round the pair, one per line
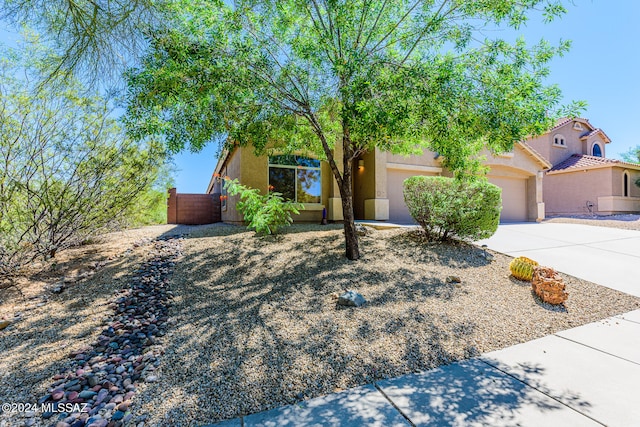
(522, 268)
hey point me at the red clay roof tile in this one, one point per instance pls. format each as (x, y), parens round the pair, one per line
(581, 161)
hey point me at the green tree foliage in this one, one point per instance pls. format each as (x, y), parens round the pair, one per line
(94, 38)
(446, 207)
(265, 213)
(341, 78)
(67, 170)
(633, 156)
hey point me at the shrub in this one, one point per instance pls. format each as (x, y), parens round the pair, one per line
(446, 207)
(265, 213)
(67, 169)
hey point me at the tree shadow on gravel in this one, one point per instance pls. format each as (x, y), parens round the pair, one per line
(450, 253)
(257, 327)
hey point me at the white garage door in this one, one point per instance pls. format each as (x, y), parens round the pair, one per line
(398, 211)
(514, 198)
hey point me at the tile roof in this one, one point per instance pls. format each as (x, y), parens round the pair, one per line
(593, 132)
(563, 121)
(581, 161)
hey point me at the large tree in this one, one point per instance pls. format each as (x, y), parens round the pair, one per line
(91, 38)
(312, 75)
(67, 170)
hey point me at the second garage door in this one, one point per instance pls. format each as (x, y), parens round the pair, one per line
(398, 211)
(514, 198)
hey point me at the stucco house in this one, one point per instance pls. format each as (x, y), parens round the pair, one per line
(377, 183)
(582, 180)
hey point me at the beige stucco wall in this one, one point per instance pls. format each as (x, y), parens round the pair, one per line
(618, 186)
(250, 170)
(568, 193)
(573, 145)
(253, 171)
(364, 180)
(517, 172)
(426, 159)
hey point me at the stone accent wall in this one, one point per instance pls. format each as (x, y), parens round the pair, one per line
(193, 209)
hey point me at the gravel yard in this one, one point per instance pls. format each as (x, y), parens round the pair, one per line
(628, 222)
(255, 325)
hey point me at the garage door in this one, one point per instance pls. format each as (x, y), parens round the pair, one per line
(398, 211)
(514, 198)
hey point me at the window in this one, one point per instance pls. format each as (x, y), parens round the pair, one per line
(558, 140)
(625, 184)
(596, 150)
(577, 126)
(296, 177)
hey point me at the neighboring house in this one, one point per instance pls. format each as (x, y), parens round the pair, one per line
(582, 180)
(377, 184)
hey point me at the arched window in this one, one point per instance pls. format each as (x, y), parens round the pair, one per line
(625, 184)
(558, 141)
(596, 150)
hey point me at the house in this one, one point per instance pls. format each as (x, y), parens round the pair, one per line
(582, 180)
(377, 182)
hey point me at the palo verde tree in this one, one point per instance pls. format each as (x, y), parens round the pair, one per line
(67, 169)
(343, 77)
(91, 38)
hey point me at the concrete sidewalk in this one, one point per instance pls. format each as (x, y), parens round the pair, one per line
(589, 375)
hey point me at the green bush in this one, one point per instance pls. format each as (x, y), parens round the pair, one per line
(265, 213)
(446, 207)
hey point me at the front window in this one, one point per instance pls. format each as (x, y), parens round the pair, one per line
(296, 177)
(558, 141)
(597, 151)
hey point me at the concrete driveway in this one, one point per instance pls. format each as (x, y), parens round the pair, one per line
(606, 256)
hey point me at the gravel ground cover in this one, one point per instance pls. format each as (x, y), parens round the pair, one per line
(257, 324)
(254, 322)
(628, 222)
(46, 324)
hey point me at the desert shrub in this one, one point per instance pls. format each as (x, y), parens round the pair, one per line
(446, 207)
(265, 213)
(67, 169)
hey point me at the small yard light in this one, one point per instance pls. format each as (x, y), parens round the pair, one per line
(360, 164)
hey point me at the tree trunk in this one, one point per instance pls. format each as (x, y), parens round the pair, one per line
(346, 192)
(350, 236)
(344, 183)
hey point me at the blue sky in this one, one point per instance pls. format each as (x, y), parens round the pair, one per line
(602, 68)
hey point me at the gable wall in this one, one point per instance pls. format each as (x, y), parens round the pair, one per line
(573, 145)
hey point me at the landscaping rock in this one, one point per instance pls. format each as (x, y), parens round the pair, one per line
(4, 324)
(361, 230)
(548, 285)
(351, 299)
(453, 279)
(120, 356)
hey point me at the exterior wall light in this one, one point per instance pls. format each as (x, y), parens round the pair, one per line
(360, 164)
